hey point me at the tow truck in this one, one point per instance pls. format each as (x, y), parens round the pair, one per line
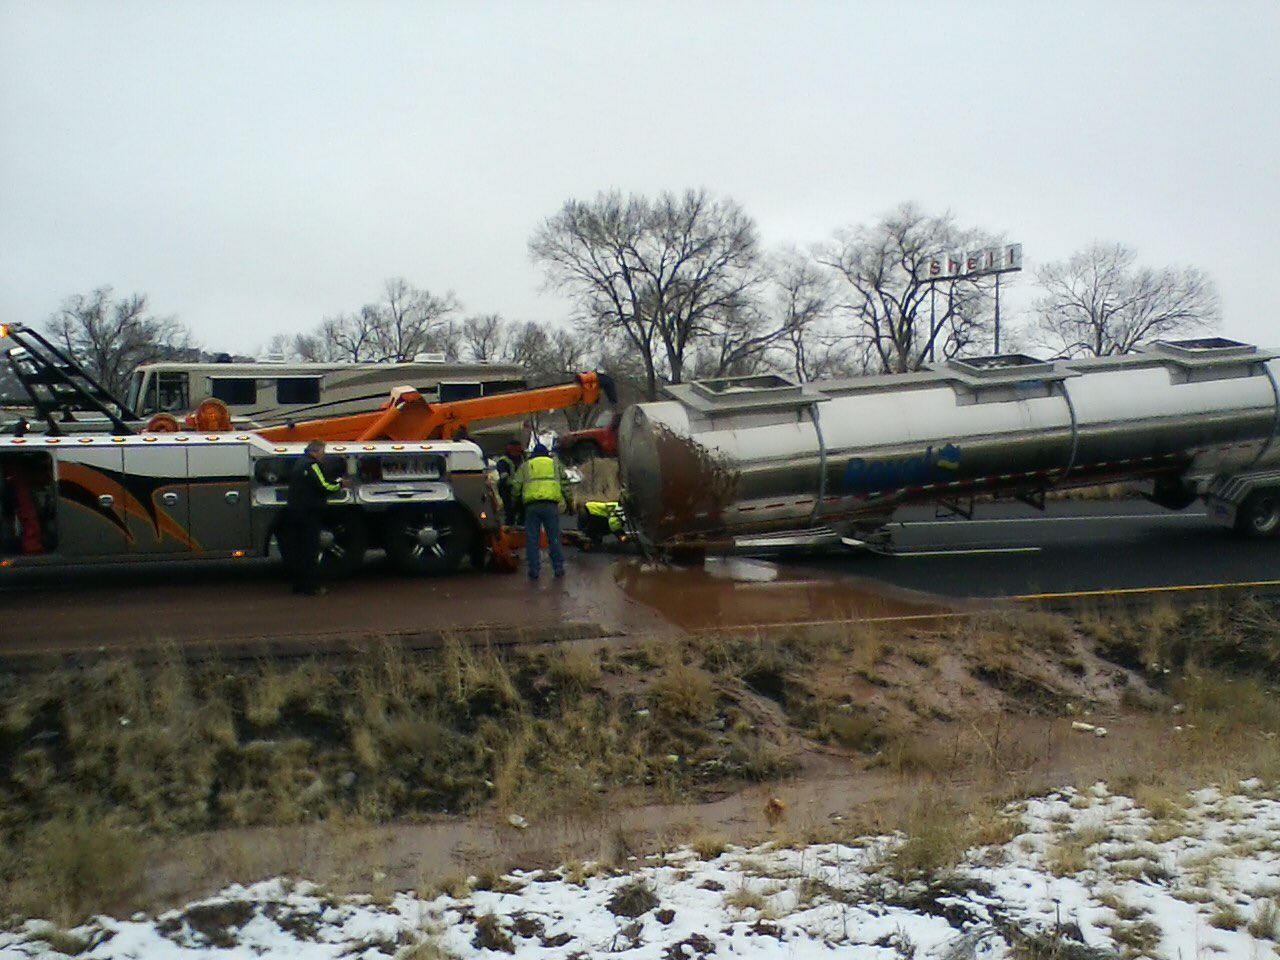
(126, 493)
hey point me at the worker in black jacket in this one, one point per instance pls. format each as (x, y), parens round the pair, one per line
(507, 466)
(309, 490)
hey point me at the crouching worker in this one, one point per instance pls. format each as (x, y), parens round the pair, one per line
(538, 484)
(598, 519)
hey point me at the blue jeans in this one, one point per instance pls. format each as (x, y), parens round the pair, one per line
(538, 516)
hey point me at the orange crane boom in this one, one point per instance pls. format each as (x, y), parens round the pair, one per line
(408, 416)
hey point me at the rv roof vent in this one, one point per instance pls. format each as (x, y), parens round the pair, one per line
(273, 358)
(428, 358)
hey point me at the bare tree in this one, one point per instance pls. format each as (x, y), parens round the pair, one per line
(1099, 303)
(804, 296)
(549, 354)
(526, 345)
(660, 275)
(405, 322)
(902, 321)
(280, 345)
(482, 337)
(111, 337)
(408, 321)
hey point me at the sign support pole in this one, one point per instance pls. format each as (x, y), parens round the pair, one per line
(997, 313)
(933, 323)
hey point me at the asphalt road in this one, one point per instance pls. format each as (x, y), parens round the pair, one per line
(1074, 546)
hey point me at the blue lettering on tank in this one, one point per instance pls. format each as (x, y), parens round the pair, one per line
(877, 476)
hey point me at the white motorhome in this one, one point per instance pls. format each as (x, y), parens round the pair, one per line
(268, 393)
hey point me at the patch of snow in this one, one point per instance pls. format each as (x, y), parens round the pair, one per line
(1140, 886)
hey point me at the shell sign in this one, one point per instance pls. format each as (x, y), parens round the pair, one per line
(975, 263)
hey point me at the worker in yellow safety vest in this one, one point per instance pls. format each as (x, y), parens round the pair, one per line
(539, 485)
(598, 519)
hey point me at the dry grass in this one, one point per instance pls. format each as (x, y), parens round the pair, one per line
(97, 763)
(1241, 637)
(68, 868)
(1265, 923)
(938, 831)
(1137, 938)
(1069, 856)
(709, 847)
(744, 898)
(580, 871)
(61, 941)
(1122, 909)
(428, 948)
(683, 693)
(177, 748)
(1163, 802)
(491, 935)
(1227, 917)
(633, 899)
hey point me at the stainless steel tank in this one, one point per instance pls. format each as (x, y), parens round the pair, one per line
(765, 457)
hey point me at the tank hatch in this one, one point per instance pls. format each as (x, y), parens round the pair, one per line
(1207, 351)
(770, 391)
(1002, 368)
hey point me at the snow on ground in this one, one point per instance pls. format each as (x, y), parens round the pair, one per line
(1088, 875)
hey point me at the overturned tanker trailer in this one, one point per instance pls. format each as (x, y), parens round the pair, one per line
(762, 464)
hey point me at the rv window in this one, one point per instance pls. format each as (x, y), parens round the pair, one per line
(172, 395)
(503, 386)
(450, 391)
(234, 392)
(298, 390)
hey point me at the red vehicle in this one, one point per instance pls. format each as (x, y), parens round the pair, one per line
(598, 440)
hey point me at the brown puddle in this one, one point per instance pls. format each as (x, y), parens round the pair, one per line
(739, 592)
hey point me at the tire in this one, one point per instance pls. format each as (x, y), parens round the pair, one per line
(428, 541)
(1259, 515)
(1171, 494)
(344, 538)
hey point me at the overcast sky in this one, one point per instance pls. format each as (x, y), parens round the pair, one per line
(253, 166)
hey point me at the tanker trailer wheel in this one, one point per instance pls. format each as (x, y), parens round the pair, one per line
(428, 540)
(1259, 515)
(344, 538)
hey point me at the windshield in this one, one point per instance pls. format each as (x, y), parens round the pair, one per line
(135, 391)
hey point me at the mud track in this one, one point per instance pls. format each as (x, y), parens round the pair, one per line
(246, 609)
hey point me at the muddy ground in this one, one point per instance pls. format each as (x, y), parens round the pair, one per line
(246, 605)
